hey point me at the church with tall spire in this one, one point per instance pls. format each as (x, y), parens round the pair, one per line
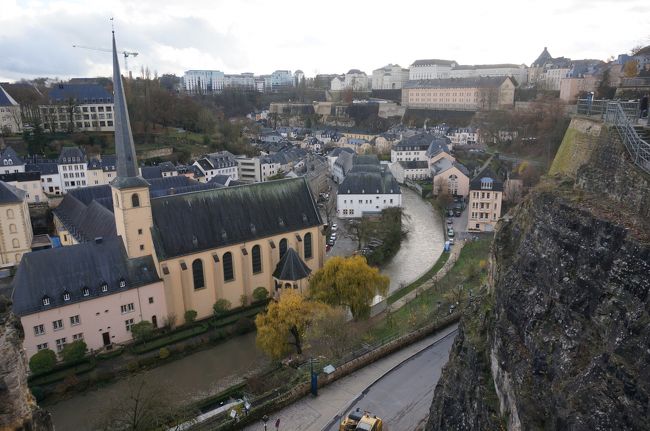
(151, 250)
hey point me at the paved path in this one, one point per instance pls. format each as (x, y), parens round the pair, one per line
(316, 413)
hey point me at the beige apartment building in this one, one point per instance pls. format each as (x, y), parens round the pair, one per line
(484, 207)
(460, 94)
(15, 226)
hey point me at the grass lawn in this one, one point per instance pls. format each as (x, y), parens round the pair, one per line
(62, 374)
(444, 257)
(468, 271)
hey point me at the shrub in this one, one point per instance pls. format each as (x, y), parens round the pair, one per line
(221, 306)
(74, 351)
(190, 316)
(142, 331)
(169, 322)
(43, 361)
(243, 299)
(260, 294)
(163, 353)
(38, 393)
(243, 326)
(133, 366)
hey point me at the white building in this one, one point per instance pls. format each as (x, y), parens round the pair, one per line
(29, 182)
(411, 170)
(72, 166)
(366, 193)
(431, 69)
(354, 79)
(389, 77)
(425, 147)
(249, 169)
(203, 81)
(78, 107)
(242, 80)
(220, 163)
(517, 71)
(463, 136)
(10, 162)
(49, 174)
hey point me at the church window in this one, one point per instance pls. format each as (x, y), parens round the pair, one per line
(256, 258)
(12, 228)
(135, 200)
(283, 247)
(228, 270)
(15, 243)
(10, 213)
(197, 273)
(307, 245)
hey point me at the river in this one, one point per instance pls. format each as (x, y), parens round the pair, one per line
(423, 245)
(190, 378)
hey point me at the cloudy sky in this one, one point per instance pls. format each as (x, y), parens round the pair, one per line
(260, 36)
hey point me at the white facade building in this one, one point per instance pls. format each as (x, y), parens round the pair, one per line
(517, 71)
(431, 69)
(389, 77)
(72, 166)
(203, 81)
(354, 79)
(220, 163)
(365, 193)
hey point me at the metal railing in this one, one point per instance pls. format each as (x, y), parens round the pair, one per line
(638, 148)
(598, 107)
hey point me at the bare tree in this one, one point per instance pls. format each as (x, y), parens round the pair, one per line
(144, 406)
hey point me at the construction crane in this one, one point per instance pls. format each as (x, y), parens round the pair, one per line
(124, 53)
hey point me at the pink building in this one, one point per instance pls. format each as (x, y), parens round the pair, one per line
(60, 301)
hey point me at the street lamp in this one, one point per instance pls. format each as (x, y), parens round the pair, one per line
(265, 419)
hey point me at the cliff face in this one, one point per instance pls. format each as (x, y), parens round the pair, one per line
(18, 409)
(562, 341)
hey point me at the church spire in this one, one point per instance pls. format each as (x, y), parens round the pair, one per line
(127, 168)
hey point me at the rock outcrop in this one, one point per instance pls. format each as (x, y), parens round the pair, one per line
(562, 339)
(18, 409)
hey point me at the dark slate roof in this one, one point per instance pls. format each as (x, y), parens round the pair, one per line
(86, 214)
(150, 172)
(414, 164)
(291, 267)
(486, 66)
(220, 179)
(6, 99)
(71, 155)
(543, 58)
(444, 164)
(475, 183)
(369, 183)
(477, 82)
(365, 159)
(192, 222)
(423, 142)
(81, 93)
(106, 163)
(10, 194)
(20, 177)
(44, 168)
(53, 272)
(8, 157)
(366, 168)
(338, 150)
(433, 61)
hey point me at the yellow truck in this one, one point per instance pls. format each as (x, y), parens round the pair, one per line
(357, 421)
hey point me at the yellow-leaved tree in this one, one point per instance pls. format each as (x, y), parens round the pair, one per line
(349, 282)
(283, 325)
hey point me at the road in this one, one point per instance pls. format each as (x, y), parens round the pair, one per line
(403, 396)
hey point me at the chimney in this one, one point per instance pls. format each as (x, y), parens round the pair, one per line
(98, 240)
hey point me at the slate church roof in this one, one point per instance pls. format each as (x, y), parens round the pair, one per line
(10, 194)
(53, 272)
(291, 267)
(192, 222)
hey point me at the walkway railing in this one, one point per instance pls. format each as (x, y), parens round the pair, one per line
(621, 116)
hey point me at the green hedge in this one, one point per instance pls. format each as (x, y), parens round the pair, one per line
(168, 339)
(110, 354)
(60, 374)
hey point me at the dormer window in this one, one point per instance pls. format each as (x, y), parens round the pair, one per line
(66, 296)
(104, 287)
(46, 300)
(122, 283)
(85, 291)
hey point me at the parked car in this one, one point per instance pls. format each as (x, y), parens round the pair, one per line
(451, 240)
(450, 212)
(450, 222)
(334, 226)
(457, 213)
(330, 242)
(450, 233)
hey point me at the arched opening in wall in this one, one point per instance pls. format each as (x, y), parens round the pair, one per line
(10, 213)
(228, 270)
(283, 247)
(154, 321)
(135, 200)
(15, 243)
(12, 228)
(307, 245)
(256, 259)
(117, 200)
(197, 274)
